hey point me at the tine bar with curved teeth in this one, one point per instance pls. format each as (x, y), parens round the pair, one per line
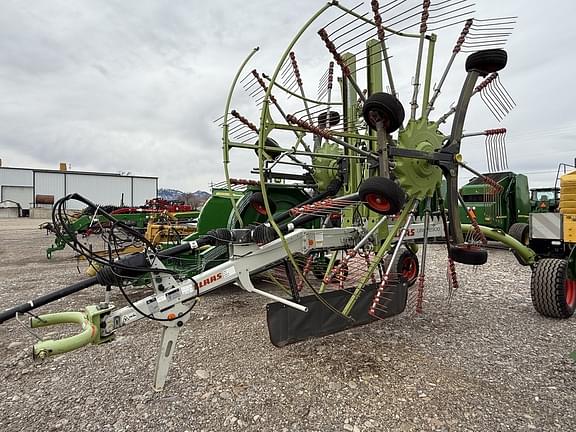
(377, 305)
(340, 62)
(480, 88)
(496, 154)
(382, 39)
(283, 114)
(457, 48)
(496, 98)
(296, 70)
(325, 133)
(489, 33)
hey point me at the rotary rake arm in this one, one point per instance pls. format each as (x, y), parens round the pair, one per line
(344, 251)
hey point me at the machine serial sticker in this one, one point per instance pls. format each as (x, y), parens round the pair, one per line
(187, 289)
(152, 305)
(173, 294)
(229, 272)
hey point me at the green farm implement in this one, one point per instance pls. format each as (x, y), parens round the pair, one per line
(157, 216)
(340, 177)
(89, 224)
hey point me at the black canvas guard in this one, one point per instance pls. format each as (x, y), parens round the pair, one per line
(287, 325)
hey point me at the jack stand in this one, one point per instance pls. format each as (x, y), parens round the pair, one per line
(167, 348)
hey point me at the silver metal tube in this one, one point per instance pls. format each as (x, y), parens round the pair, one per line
(280, 299)
(403, 232)
(370, 233)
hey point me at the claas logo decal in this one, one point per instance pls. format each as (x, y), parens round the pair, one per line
(209, 280)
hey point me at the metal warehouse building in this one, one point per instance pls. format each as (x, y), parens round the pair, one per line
(32, 188)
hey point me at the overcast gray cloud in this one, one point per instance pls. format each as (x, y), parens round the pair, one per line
(134, 85)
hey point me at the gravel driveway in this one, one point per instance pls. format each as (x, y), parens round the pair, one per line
(485, 362)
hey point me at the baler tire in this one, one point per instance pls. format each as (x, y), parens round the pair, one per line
(520, 231)
(257, 203)
(553, 294)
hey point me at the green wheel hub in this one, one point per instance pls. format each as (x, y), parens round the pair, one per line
(418, 177)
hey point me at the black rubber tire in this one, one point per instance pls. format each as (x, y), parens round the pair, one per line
(388, 108)
(333, 117)
(406, 265)
(382, 195)
(520, 231)
(468, 254)
(549, 289)
(487, 61)
(272, 154)
(257, 203)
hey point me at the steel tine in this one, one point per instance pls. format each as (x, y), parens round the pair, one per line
(494, 100)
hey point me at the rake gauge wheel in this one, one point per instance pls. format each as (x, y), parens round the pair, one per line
(382, 195)
(406, 265)
(386, 107)
(333, 119)
(487, 61)
(468, 254)
(270, 154)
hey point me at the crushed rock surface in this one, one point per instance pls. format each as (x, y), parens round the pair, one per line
(485, 362)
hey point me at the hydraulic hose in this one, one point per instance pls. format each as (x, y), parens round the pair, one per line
(48, 298)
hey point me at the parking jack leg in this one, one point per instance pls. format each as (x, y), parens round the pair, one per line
(167, 348)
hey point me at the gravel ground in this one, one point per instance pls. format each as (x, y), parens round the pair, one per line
(486, 362)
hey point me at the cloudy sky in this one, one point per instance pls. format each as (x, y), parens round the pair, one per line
(134, 85)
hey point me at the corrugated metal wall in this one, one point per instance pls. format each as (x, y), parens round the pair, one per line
(49, 183)
(100, 188)
(15, 177)
(143, 189)
(23, 195)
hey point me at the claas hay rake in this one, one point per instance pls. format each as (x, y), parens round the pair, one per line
(344, 179)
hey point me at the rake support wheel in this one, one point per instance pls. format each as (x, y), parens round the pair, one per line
(487, 61)
(386, 107)
(406, 265)
(468, 254)
(382, 195)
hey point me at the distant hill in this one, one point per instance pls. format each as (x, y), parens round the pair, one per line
(170, 194)
(201, 195)
(195, 198)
